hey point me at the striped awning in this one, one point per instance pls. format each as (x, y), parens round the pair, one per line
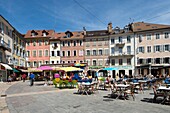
(6, 66)
(34, 70)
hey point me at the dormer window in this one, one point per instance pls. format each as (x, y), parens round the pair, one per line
(117, 29)
(33, 33)
(44, 33)
(126, 29)
(68, 35)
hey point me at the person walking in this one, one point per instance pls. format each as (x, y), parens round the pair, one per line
(24, 77)
(31, 76)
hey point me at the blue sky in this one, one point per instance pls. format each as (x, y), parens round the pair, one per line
(62, 15)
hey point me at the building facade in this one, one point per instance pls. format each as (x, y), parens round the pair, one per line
(96, 46)
(38, 47)
(55, 50)
(72, 50)
(19, 51)
(5, 47)
(153, 48)
(122, 49)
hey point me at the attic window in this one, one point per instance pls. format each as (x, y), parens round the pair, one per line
(126, 29)
(44, 34)
(117, 30)
(33, 33)
(68, 35)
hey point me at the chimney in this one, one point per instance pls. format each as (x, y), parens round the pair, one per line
(84, 31)
(109, 28)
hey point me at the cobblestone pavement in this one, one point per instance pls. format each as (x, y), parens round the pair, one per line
(21, 98)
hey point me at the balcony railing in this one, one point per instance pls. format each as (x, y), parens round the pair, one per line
(129, 53)
(5, 46)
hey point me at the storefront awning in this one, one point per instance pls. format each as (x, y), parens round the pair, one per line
(6, 66)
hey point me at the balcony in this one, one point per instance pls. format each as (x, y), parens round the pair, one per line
(117, 54)
(5, 46)
(122, 43)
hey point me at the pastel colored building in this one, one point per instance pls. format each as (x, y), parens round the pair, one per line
(38, 47)
(72, 50)
(153, 48)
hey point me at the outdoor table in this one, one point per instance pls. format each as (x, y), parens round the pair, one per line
(166, 91)
(122, 88)
(86, 87)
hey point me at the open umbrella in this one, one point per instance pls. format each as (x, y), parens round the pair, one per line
(45, 68)
(110, 68)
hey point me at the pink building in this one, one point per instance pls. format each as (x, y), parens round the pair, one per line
(38, 47)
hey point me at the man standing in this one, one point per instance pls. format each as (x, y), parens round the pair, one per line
(32, 76)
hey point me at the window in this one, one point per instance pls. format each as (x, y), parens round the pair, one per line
(167, 47)
(34, 53)
(81, 43)
(148, 49)
(157, 48)
(52, 62)
(157, 60)
(166, 60)
(140, 38)
(46, 62)
(141, 49)
(81, 53)
(35, 63)
(94, 53)
(100, 62)
(74, 43)
(55, 44)
(106, 51)
(87, 44)
(112, 41)
(149, 37)
(128, 39)
(68, 53)
(166, 35)
(113, 61)
(1, 58)
(120, 50)
(46, 42)
(148, 60)
(75, 53)
(34, 43)
(40, 53)
(28, 43)
(120, 40)
(94, 63)
(52, 53)
(120, 61)
(39, 42)
(112, 50)
(63, 53)
(128, 61)
(74, 61)
(88, 52)
(44, 34)
(28, 53)
(46, 53)
(9, 43)
(157, 36)
(81, 61)
(68, 43)
(128, 49)
(94, 43)
(100, 52)
(68, 35)
(40, 63)
(58, 53)
(63, 43)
